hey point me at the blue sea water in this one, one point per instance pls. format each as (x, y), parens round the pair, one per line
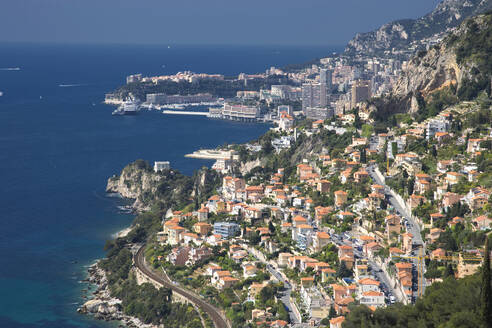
(58, 146)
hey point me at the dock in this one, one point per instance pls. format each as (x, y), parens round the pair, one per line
(175, 112)
(214, 154)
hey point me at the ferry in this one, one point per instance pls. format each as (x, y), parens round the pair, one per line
(129, 107)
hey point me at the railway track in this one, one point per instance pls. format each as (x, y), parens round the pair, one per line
(214, 313)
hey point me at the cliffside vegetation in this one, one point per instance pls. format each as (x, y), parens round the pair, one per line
(159, 191)
(458, 69)
(145, 302)
(474, 49)
(162, 190)
(401, 34)
(326, 141)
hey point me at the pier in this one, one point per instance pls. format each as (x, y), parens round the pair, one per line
(214, 154)
(175, 112)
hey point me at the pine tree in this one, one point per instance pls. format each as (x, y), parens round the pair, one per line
(434, 151)
(486, 286)
(343, 271)
(410, 185)
(363, 156)
(449, 272)
(197, 205)
(332, 314)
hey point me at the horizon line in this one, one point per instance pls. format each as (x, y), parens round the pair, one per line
(61, 43)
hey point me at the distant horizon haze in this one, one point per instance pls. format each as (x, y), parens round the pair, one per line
(180, 44)
(192, 22)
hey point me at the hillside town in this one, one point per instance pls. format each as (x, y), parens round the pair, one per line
(371, 188)
(373, 222)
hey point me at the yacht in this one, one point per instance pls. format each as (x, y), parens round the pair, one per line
(129, 107)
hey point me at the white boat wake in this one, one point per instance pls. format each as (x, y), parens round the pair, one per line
(71, 85)
(10, 69)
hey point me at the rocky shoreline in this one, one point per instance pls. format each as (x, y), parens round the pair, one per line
(104, 307)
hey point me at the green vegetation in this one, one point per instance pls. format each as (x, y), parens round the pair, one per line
(438, 101)
(170, 188)
(486, 293)
(155, 306)
(454, 239)
(448, 304)
(301, 66)
(386, 115)
(288, 158)
(145, 302)
(474, 49)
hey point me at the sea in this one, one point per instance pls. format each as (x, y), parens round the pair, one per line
(59, 144)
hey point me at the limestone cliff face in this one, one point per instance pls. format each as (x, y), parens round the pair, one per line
(386, 37)
(453, 62)
(134, 181)
(426, 73)
(248, 166)
(165, 189)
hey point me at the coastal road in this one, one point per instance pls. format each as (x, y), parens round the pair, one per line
(210, 310)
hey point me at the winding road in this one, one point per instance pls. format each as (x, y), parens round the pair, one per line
(210, 310)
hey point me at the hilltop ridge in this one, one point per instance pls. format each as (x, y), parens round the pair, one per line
(457, 69)
(405, 36)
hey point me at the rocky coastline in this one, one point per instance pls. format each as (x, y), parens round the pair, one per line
(104, 307)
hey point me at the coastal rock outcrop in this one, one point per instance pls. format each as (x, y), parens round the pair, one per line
(104, 307)
(101, 306)
(135, 180)
(138, 181)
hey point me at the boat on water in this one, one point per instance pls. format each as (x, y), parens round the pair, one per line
(1, 93)
(70, 85)
(129, 107)
(148, 106)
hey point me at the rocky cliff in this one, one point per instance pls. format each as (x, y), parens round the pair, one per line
(401, 35)
(166, 189)
(462, 62)
(136, 181)
(427, 73)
